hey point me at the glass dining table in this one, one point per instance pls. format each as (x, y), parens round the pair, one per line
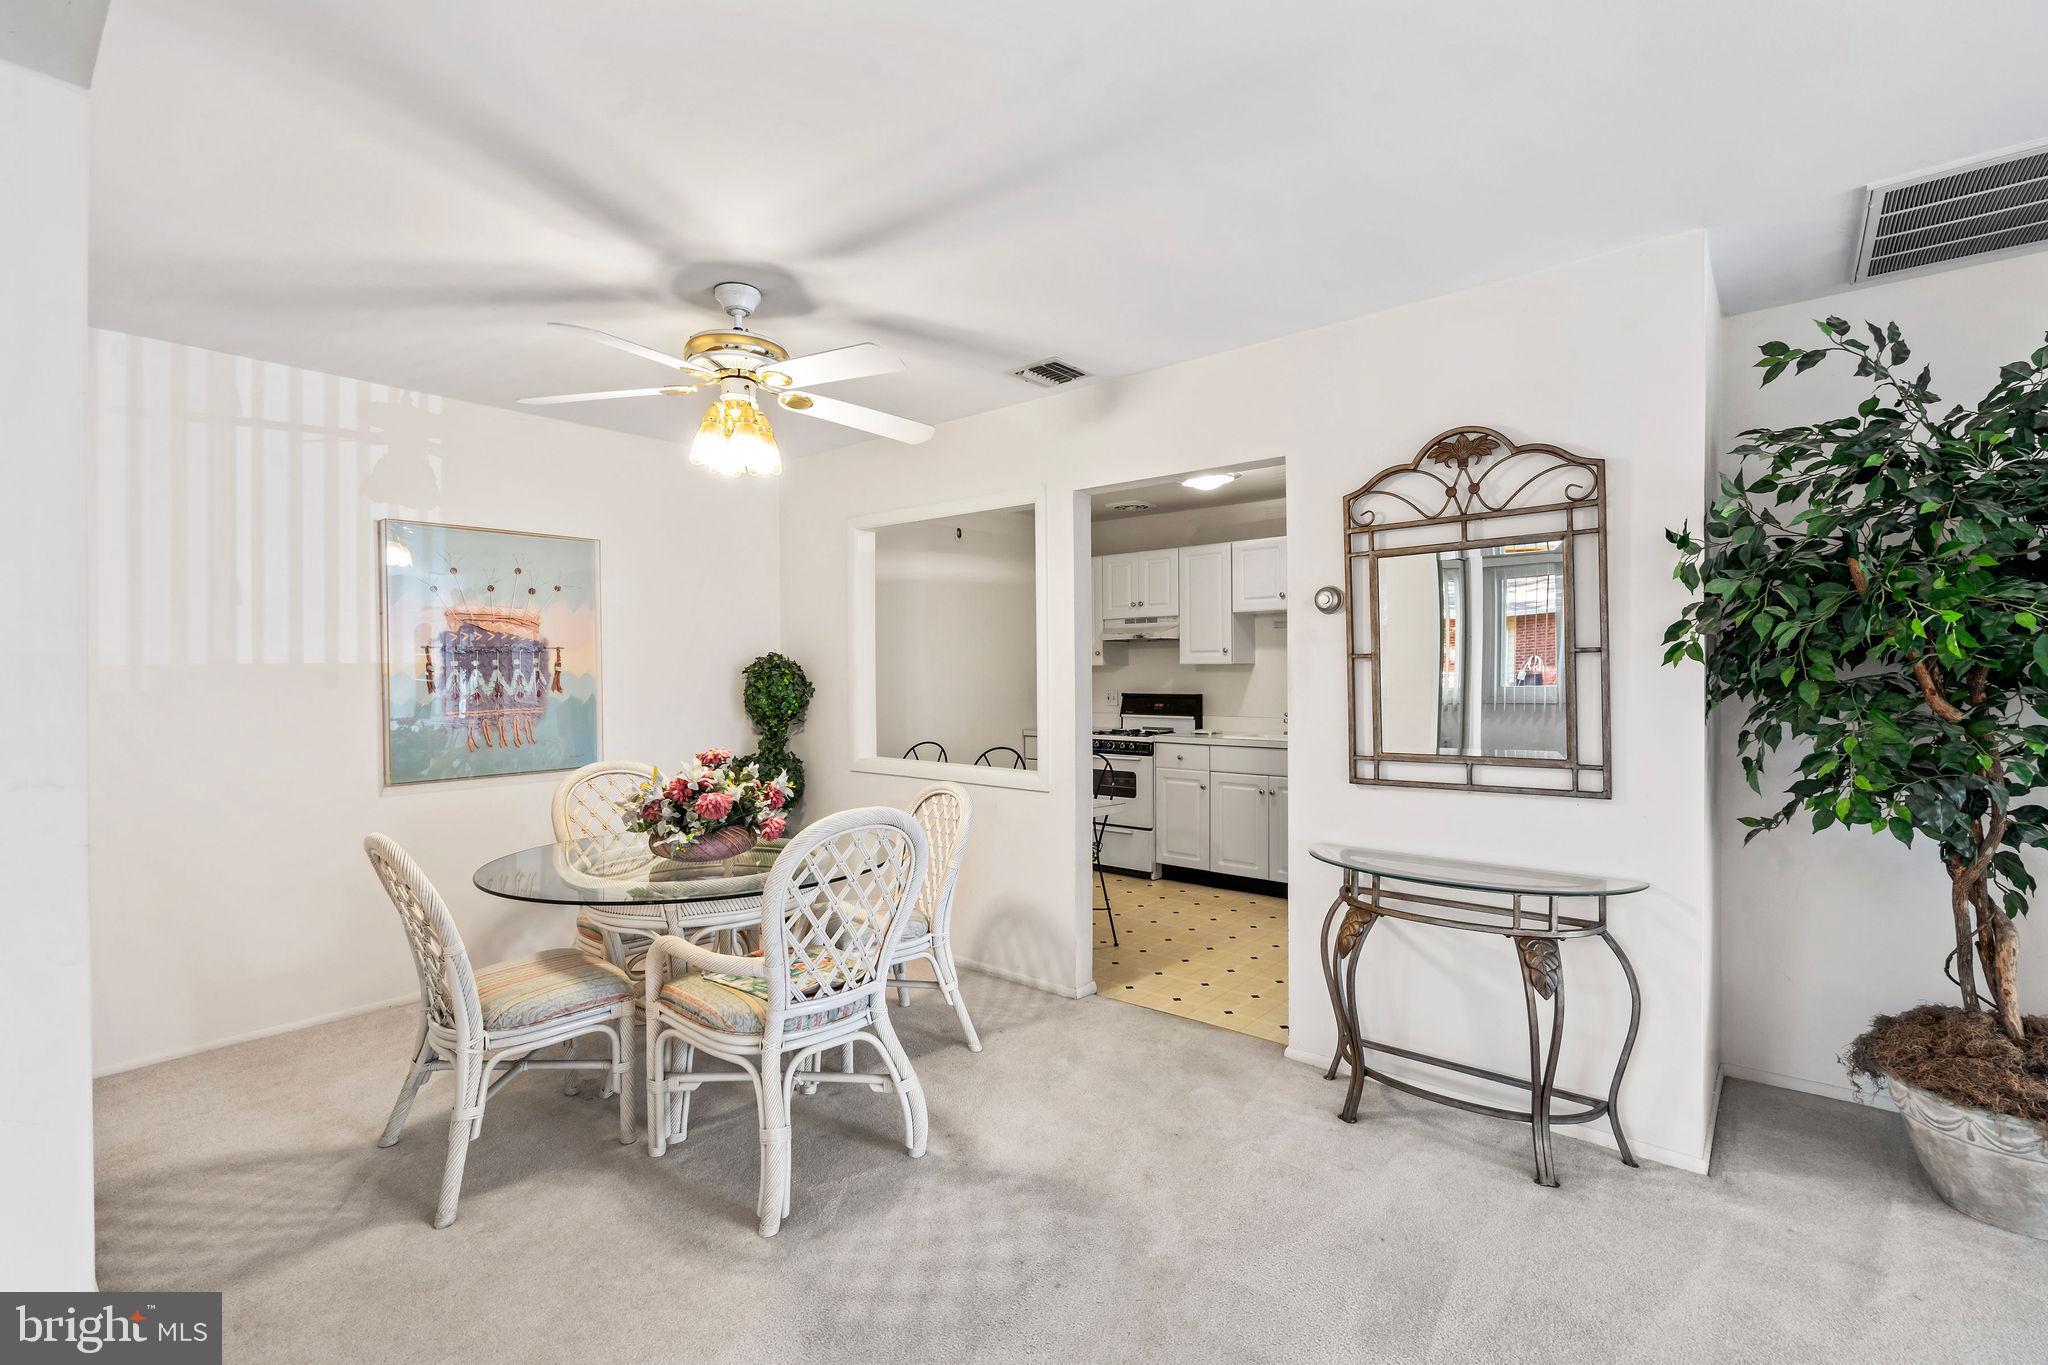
(628, 890)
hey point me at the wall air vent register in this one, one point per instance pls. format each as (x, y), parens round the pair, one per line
(1050, 373)
(1971, 208)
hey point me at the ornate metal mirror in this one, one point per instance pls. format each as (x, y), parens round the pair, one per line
(1477, 617)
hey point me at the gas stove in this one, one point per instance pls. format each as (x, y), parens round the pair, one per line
(1123, 780)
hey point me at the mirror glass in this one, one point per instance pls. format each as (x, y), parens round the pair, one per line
(956, 638)
(1469, 655)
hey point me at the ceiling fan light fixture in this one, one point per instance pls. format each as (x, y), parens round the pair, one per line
(735, 439)
(1207, 483)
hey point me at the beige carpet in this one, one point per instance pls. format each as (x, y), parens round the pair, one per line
(1103, 1184)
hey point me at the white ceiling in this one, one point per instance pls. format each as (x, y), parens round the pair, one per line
(59, 38)
(1170, 495)
(405, 192)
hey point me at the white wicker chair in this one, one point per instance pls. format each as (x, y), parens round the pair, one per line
(477, 1024)
(945, 813)
(833, 907)
(588, 806)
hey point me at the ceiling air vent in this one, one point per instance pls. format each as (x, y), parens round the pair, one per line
(1050, 373)
(1958, 211)
(1130, 507)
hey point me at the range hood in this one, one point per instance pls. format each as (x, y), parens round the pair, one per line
(1142, 628)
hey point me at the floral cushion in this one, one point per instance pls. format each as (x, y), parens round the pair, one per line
(545, 986)
(738, 1004)
(590, 942)
(917, 926)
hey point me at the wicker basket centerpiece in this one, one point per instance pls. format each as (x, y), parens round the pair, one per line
(717, 810)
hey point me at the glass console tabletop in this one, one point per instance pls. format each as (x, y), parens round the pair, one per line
(600, 872)
(1469, 876)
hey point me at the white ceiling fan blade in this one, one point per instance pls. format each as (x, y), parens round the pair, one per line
(674, 362)
(829, 367)
(854, 415)
(610, 393)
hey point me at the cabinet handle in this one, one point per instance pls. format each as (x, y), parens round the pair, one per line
(1283, 597)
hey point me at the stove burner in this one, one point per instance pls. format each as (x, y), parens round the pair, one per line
(1138, 732)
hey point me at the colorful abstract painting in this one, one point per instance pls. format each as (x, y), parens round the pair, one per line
(490, 652)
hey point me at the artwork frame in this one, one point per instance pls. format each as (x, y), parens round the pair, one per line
(491, 681)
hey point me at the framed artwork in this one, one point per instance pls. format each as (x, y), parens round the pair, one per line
(490, 652)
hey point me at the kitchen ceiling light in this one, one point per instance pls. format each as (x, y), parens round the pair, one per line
(734, 439)
(1207, 483)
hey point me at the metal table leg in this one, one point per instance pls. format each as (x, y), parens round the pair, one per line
(1542, 974)
(1628, 1044)
(1351, 936)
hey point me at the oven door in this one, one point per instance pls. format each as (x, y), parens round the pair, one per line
(1124, 789)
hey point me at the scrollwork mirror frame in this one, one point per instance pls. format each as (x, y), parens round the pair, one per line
(1473, 488)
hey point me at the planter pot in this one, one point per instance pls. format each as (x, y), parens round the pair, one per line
(714, 847)
(1990, 1166)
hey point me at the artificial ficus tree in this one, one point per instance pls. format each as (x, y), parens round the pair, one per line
(1876, 586)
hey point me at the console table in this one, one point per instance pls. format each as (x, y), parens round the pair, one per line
(1520, 904)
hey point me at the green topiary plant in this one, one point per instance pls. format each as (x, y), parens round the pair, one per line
(777, 693)
(1876, 586)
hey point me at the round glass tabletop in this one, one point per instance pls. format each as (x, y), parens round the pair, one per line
(1467, 876)
(612, 872)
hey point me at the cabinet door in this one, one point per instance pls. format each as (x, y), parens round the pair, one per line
(1276, 828)
(1258, 574)
(1238, 820)
(1209, 631)
(1119, 595)
(1180, 817)
(1156, 581)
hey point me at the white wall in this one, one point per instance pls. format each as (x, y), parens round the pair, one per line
(1821, 931)
(1240, 696)
(1607, 357)
(235, 701)
(956, 633)
(45, 1068)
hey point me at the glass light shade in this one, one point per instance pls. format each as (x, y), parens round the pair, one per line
(734, 439)
(1207, 483)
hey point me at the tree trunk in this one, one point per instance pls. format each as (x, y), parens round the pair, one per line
(1999, 947)
(1959, 885)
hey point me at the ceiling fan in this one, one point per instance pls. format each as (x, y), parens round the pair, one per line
(734, 437)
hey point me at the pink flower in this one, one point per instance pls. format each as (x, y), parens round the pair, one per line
(651, 812)
(715, 758)
(713, 805)
(773, 826)
(776, 800)
(677, 789)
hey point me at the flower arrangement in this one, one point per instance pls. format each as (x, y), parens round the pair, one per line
(717, 797)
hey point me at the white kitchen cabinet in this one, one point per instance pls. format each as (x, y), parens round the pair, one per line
(1222, 808)
(1095, 601)
(1276, 828)
(1210, 631)
(1180, 817)
(1258, 574)
(1144, 583)
(1239, 833)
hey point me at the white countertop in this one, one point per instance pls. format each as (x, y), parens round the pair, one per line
(1227, 741)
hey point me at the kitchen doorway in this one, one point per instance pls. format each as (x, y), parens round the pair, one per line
(1187, 716)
